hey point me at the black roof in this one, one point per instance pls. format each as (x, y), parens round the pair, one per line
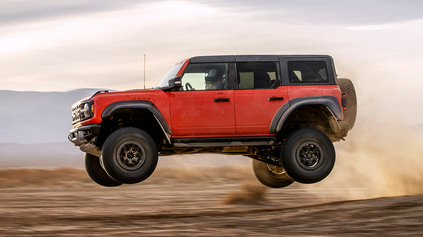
(251, 58)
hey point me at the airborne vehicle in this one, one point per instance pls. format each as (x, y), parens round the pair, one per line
(283, 111)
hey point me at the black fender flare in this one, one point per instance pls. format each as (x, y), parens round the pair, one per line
(329, 101)
(139, 104)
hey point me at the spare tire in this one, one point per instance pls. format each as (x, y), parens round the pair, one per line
(350, 113)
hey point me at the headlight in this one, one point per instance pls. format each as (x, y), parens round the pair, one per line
(82, 111)
(86, 111)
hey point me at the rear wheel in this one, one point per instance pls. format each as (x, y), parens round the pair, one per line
(271, 175)
(308, 155)
(129, 155)
(97, 173)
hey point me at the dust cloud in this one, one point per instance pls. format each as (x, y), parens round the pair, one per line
(379, 160)
(250, 193)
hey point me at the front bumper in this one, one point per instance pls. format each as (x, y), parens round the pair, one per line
(85, 137)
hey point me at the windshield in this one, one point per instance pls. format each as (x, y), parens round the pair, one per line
(163, 83)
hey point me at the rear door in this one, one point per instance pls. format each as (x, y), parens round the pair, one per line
(204, 107)
(258, 98)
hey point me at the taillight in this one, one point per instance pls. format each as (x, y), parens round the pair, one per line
(344, 100)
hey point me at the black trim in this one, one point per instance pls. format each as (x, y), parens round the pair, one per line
(257, 58)
(137, 104)
(275, 98)
(253, 58)
(329, 101)
(99, 92)
(232, 77)
(82, 135)
(221, 99)
(223, 141)
(213, 59)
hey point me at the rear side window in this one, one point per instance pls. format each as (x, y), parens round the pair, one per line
(257, 75)
(307, 72)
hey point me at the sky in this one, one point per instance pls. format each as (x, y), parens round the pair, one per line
(51, 45)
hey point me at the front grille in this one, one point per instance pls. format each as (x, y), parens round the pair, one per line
(76, 113)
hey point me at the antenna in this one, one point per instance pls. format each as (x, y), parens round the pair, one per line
(144, 71)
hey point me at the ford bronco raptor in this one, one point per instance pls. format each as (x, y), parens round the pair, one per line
(283, 111)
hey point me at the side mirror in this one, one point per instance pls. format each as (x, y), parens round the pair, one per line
(175, 83)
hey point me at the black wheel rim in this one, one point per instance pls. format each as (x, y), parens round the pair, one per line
(130, 155)
(309, 155)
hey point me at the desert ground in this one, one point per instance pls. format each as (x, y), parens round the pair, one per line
(375, 189)
(196, 201)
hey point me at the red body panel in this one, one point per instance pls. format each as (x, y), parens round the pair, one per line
(158, 97)
(254, 111)
(314, 90)
(196, 114)
(181, 71)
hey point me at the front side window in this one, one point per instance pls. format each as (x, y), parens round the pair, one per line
(205, 76)
(307, 72)
(257, 75)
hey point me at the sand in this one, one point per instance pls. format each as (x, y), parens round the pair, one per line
(218, 201)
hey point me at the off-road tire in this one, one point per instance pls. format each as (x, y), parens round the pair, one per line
(308, 155)
(129, 155)
(270, 175)
(97, 173)
(350, 113)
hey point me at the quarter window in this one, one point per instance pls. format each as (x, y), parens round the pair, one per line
(257, 75)
(307, 72)
(206, 76)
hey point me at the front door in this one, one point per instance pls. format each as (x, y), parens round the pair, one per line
(204, 107)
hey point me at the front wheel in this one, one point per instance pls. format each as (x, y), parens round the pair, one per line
(272, 176)
(308, 155)
(129, 155)
(97, 173)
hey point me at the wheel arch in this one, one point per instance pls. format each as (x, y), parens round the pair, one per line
(140, 114)
(329, 104)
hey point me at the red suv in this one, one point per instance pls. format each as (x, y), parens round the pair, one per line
(284, 111)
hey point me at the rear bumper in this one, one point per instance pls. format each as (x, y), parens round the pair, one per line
(85, 137)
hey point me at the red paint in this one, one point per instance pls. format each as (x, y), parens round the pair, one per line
(158, 97)
(254, 112)
(182, 69)
(195, 113)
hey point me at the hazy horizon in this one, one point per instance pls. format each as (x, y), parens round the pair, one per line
(67, 45)
(60, 47)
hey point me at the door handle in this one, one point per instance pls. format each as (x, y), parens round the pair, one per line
(221, 100)
(275, 98)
